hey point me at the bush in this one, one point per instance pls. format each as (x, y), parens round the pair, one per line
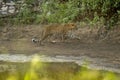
(55, 12)
(63, 11)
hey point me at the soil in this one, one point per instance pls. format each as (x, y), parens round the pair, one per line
(83, 42)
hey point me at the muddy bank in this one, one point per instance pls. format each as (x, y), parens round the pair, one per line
(102, 53)
(101, 56)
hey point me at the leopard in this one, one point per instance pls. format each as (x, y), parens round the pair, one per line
(56, 29)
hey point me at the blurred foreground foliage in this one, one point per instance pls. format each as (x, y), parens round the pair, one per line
(38, 71)
(63, 11)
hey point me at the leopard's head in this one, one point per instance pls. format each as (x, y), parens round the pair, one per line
(72, 26)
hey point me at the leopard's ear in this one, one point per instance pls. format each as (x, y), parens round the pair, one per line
(73, 24)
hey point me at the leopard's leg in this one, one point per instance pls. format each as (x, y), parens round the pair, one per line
(43, 38)
(63, 37)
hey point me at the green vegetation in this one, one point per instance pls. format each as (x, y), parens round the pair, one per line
(63, 11)
(105, 12)
(40, 71)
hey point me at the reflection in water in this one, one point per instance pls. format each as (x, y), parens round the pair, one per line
(93, 63)
(51, 68)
